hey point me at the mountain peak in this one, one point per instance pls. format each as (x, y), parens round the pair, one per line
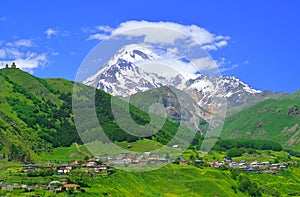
(124, 75)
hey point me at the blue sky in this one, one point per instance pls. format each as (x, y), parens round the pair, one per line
(52, 37)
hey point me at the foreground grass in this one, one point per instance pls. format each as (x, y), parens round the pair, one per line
(171, 180)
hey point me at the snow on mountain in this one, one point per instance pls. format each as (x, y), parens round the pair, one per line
(123, 76)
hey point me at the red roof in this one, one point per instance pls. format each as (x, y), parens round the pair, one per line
(71, 185)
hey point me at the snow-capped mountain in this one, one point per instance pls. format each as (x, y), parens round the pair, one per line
(123, 76)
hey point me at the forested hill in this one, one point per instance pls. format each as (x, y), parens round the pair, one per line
(36, 115)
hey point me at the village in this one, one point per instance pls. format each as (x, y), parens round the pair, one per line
(95, 165)
(253, 167)
(92, 165)
(105, 164)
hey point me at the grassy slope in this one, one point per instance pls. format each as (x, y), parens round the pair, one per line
(172, 180)
(267, 120)
(68, 154)
(65, 154)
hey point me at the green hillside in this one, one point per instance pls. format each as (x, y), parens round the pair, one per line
(36, 115)
(275, 119)
(32, 116)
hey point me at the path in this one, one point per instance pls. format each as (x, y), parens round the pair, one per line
(82, 152)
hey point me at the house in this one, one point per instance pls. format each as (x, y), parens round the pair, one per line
(55, 186)
(101, 168)
(175, 146)
(49, 167)
(243, 165)
(216, 164)
(264, 165)
(143, 161)
(131, 156)
(234, 165)
(75, 164)
(282, 167)
(120, 156)
(92, 163)
(98, 169)
(147, 154)
(198, 161)
(274, 166)
(74, 186)
(254, 164)
(136, 161)
(163, 160)
(63, 170)
(251, 170)
(97, 158)
(29, 167)
(183, 162)
(227, 159)
(117, 163)
(8, 187)
(153, 161)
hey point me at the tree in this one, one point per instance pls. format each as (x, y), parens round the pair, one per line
(235, 152)
(70, 190)
(246, 186)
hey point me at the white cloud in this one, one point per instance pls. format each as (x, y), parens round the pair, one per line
(215, 46)
(29, 62)
(163, 32)
(104, 28)
(221, 43)
(51, 32)
(171, 64)
(98, 36)
(21, 53)
(20, 43)
(12, 53)
(183, 45)
(220, 37)
(210, 47)
(205, 63)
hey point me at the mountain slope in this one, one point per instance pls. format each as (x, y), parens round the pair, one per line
(36, 115)
(274, 119)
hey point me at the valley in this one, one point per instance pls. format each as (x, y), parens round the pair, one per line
(257, 153)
